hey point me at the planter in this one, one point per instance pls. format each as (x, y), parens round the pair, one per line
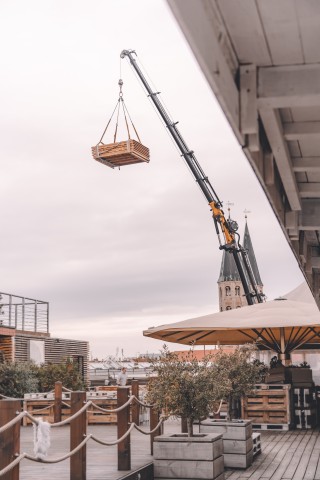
(183, 457)
(294, 375)
(237, 440)
(300, 376)
(278, 375)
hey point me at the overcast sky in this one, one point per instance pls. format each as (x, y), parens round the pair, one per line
(116, 251)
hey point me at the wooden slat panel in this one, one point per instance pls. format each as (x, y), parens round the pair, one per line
(6, 348)
(245, 29)
(280, 22)
(56, 350)
(308, 12)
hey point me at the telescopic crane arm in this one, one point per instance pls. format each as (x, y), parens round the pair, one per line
(227, 227)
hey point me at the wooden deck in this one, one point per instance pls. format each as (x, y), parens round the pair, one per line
(291, 455)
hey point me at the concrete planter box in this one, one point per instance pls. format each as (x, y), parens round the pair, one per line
(182, 457)
(237, 440)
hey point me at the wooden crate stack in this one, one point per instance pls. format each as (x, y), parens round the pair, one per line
(269, 405)
(105, 398)
(40, 405)
(120, 154)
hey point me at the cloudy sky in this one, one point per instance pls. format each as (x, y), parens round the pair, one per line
(115, 251)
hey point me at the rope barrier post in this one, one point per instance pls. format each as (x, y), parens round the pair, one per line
(10, 438)
(124, 450)
(135, 407)
(184, 425)
(154, 420)
(57, 408)
(78, 430)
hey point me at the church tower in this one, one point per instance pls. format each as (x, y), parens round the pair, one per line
(231, 293)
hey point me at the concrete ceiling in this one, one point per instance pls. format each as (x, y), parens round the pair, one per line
(262, 61)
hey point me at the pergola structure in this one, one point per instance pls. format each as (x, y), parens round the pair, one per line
(262, 61)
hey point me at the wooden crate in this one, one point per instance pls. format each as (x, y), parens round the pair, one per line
(96, 416)
(42, 409)
(268, 404)
(121, 153)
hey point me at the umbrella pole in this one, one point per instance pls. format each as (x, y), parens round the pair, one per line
(284, 357)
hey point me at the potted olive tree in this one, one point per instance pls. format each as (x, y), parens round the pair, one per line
(185, 387)
(238, 373)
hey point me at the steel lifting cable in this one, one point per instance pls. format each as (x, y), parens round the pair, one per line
(134, 128)
(104, 132)
(120, 102)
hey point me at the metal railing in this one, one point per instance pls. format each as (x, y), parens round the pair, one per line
(23, 313)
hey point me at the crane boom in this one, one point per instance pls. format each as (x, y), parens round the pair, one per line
(227, 227)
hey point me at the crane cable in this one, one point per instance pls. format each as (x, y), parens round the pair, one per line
(120, 102)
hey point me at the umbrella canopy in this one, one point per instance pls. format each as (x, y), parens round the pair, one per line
(282, 325)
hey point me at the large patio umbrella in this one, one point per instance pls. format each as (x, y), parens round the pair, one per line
(281, 325)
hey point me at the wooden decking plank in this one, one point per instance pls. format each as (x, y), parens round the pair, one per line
(276, 440)
(267, 458)
(291, 469)
(310, 473)
(269, 440)
(316, 450)
(273, 440)
(294, 442)
(305, 458)
(279, 457)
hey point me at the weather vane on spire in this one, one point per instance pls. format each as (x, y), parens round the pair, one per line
(245, 211)
(229, 204)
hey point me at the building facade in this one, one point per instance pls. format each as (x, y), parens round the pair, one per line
(24, 335)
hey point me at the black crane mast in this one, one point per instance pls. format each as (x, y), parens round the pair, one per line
(228, 227)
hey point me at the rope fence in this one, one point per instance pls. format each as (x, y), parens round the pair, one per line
(11, 418)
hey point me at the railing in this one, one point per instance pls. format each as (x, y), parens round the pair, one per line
(24, 313)
(46, 405)
(11, 417)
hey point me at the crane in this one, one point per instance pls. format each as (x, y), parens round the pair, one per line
(225, 226)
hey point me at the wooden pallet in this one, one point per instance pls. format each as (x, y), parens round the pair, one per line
(96, 416)
(268, 405)
(42, 409)
(121, 153)
(271, 426)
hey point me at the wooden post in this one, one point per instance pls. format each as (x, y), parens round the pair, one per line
(124, 450)
(10, 438)
(135, 407)
(184, 425)
(154, 420)
(57, 408)
(78, 430)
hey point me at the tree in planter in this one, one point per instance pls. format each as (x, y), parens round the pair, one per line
(238, 373)
(184, 386)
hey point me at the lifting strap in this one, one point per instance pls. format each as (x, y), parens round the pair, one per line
(120, 102)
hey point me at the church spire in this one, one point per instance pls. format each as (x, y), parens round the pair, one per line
(231, 293)
(247, 244)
